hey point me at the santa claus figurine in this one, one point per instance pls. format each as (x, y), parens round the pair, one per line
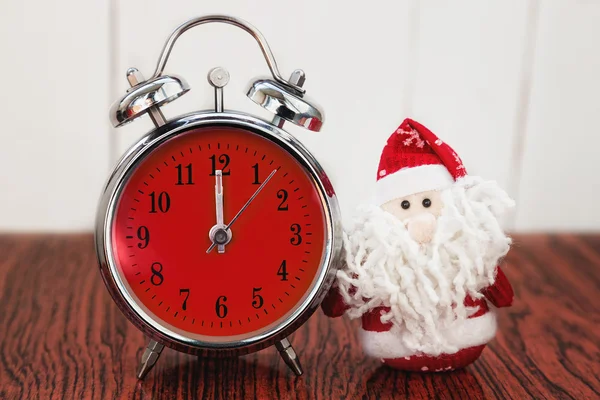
(421, 265)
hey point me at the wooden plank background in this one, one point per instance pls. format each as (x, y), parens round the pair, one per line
(62, 337)
(512, 85)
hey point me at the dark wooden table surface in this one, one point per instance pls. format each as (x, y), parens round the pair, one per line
(61, 337)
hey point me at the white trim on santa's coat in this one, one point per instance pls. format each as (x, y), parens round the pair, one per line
(410, 181)
(472, 332)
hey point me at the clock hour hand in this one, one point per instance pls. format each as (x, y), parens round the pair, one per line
(243, 208)
(219, 203)
(218, 234)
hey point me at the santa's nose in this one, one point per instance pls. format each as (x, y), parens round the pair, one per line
(421, 227)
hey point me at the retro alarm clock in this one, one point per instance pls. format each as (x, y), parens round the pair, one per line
(218, 232)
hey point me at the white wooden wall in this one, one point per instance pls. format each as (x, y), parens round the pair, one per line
(512, 85)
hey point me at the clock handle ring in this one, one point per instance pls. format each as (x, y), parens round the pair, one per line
(255, 33)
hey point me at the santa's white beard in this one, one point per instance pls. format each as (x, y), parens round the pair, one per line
(425, 285)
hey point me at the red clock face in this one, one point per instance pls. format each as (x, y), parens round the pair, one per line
(160, 234)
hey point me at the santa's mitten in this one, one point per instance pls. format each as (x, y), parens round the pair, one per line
(333, 305)
(500, 293)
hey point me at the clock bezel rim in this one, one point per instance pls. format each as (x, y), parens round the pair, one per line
(152, 140)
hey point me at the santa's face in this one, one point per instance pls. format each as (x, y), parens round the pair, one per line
(418, 212)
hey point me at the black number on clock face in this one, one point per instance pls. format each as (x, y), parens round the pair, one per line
(283, 195)
(223, 164)
(296, 238)
(157, 278)
(144, 235)
(282, 271)
(164, 202)
(255, 168)
(220, 307)
(187, 295)
(257, 300)
(180, 174)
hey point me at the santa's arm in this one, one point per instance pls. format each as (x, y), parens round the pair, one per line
(333, 305)
(500, 294)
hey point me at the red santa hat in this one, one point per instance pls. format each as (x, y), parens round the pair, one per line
(415, 160)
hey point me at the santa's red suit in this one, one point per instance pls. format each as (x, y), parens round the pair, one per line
(415, 160)
(381, 341)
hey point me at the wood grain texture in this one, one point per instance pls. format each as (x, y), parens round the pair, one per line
(62, 337)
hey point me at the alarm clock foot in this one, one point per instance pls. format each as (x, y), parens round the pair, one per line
(149, 358)
(289, 356)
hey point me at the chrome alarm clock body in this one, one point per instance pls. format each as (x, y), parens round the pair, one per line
(218, 233)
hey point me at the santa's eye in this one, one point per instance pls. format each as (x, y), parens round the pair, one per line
(426, 203)
(405, 204)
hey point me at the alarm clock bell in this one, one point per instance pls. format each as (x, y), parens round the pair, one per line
(284, 98)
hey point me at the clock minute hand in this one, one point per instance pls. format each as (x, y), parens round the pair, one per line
(245, 206)
(251, 199)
